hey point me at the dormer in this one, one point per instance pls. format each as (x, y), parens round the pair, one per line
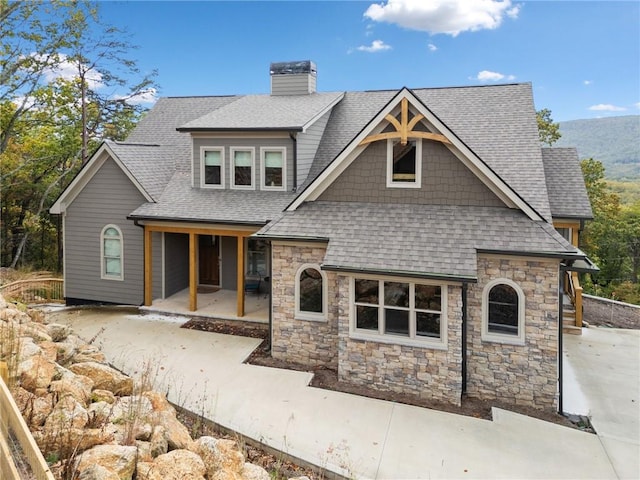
(263, 142)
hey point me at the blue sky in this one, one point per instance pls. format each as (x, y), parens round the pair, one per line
(582, 57)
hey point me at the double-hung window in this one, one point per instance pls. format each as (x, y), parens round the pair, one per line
(404, 164)
(273, 162)
(242, 167)
(111, 253)
(212, 167)
(399, 312)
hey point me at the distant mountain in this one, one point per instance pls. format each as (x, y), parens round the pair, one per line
(615, 141)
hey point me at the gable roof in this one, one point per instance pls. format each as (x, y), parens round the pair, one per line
(568, 196)
(496, 122)
(266, 112)
(133, 159)
(435, 241)
(460, 149)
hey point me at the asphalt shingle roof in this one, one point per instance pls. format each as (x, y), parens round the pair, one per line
(151, 165)
(434, 240)
(497, 122)
(568, 196)
(265, 112)
(182, 202)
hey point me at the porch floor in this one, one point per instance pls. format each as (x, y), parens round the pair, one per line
(221, 304)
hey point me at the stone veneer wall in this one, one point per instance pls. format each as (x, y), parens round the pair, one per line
(306, 342)
(521, 374)
(426, 372)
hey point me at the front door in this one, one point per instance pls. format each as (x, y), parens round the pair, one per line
(209, 269)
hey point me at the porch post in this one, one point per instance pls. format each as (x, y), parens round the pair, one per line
(240, 281)
(193, 279)
(148, 268)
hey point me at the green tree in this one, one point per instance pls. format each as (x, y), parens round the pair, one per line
(49, 122)
(612, 237)
(548, 130)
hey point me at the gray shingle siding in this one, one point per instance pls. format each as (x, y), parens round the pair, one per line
(445, 180)
(108, 199)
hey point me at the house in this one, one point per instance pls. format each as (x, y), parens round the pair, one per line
(416, 240)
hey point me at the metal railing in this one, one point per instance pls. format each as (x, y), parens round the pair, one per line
(36, 290)
(13, 428)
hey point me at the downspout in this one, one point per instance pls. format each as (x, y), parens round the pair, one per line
(464, 338)
(560, 346)
(270, 298)
(294, 139)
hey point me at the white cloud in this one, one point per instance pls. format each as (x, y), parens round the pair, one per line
(443, 16)
(637, 105)
(432, 47)
(146, 96)
(606, 107)
(489, 76)
(67, 70)
(376, 46)
(588, 82)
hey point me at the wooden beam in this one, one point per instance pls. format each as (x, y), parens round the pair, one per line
(404, 120)
(201, 231)
(240, 281)
(193, 278)
(436, 137)
(148, 268)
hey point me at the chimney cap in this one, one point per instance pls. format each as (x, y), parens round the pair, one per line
(291, 68)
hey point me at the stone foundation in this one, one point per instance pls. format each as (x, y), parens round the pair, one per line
(518, 374)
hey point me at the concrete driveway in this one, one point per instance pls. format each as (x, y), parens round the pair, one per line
(603, 382)
(347, 434)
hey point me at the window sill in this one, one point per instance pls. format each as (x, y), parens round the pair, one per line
(408, 342)
(273, 189)
(504, 339)
(310, 317)
(211, 186)
(117, 279)
(403, 185)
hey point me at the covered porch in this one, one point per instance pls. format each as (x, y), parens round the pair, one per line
(219, 304)
(204, 270)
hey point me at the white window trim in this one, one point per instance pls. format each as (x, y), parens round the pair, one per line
(203, 150)
(103, 275)
(418, 181)
(312, 316)
(232, 166)
(263, 150)
(412, 341)
(503, 337)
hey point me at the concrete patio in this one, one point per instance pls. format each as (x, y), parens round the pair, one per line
(350, 435)
(215, 304)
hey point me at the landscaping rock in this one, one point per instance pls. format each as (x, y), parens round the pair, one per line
(254, 472)
(49, 350)
(219, 454)
(34, 409)
(118, 458)
(67, 413)
(99, 395)
(78, 386)
(36, 372)
(178, 465)
(104, 377)
(98, 472)
(57, 332)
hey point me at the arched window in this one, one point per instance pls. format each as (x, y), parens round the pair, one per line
(111, 253)
(503, 312)
(311, 293)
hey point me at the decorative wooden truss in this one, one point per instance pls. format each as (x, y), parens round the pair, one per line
(404, 128)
